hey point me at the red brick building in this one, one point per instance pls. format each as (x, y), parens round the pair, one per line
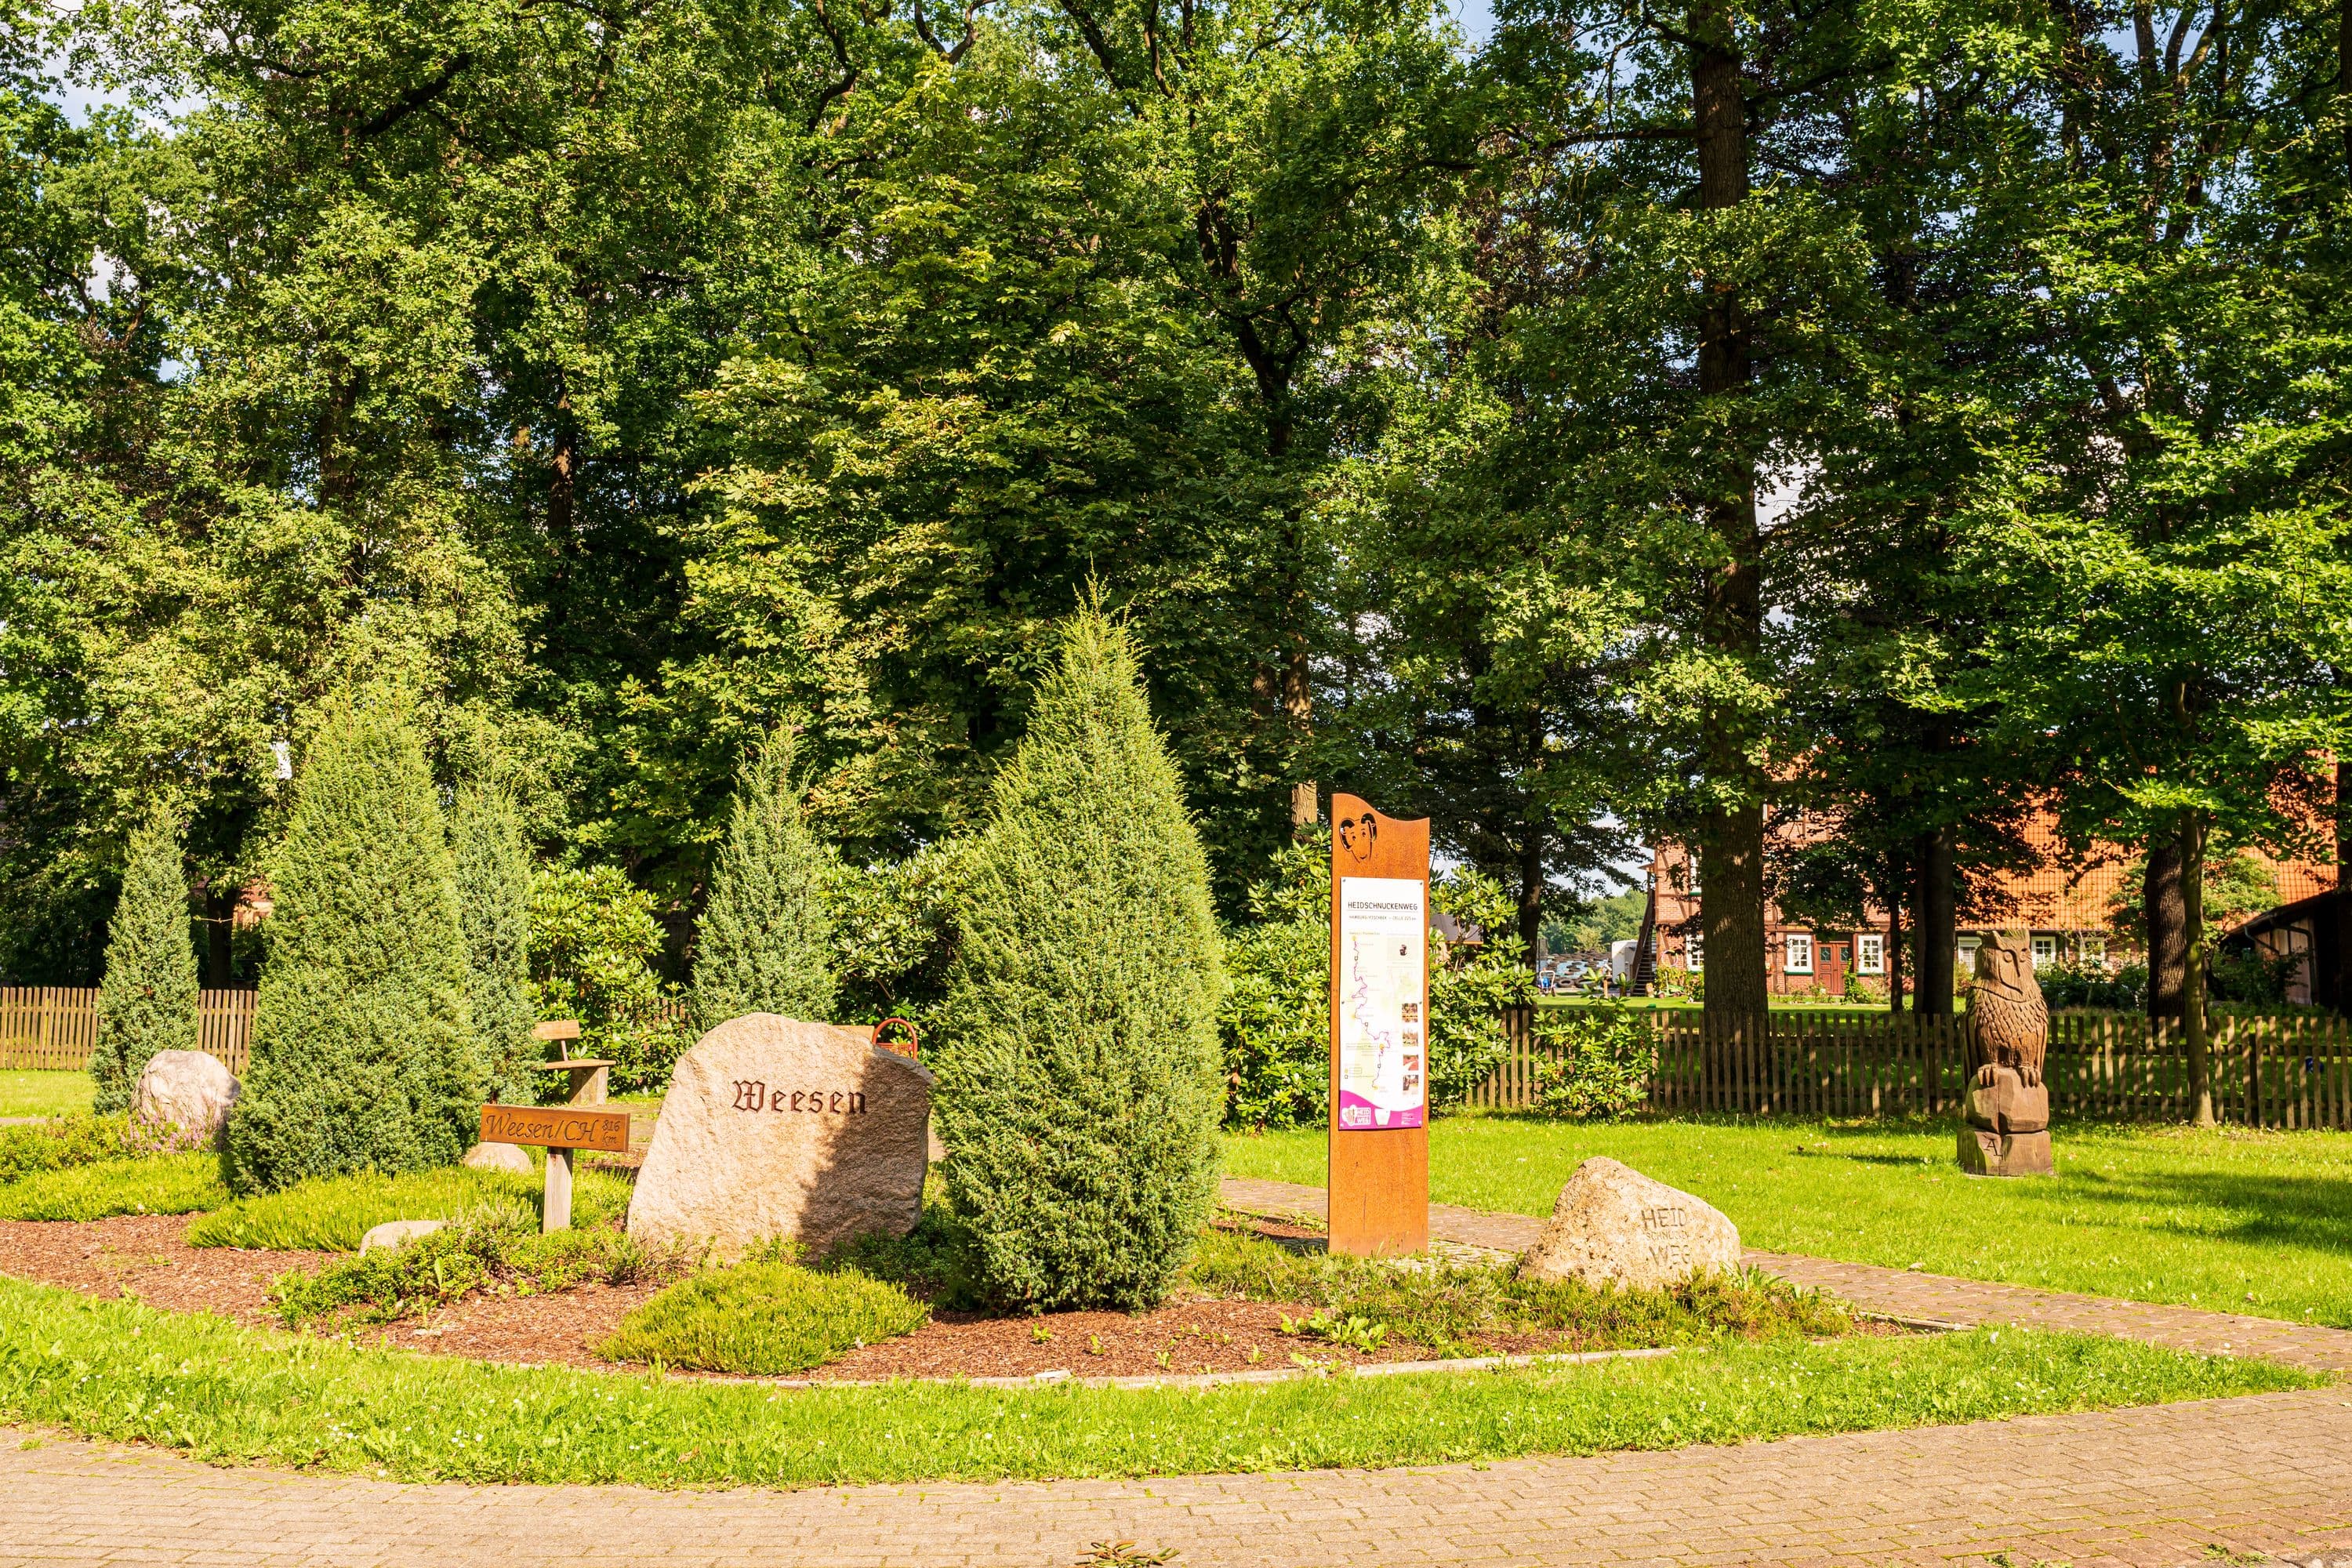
(2065, 905)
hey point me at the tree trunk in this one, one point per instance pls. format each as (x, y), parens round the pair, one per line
(1719, 115)
(1892, 889)
(2344, 108)
(2344, 766)
(220, 910)
(1731, 826)
(1731, 912)
(563, 546)
(1298, 677)
(1894, 953)
(338, 483)
(562, 481)
(1531, 892)
(2192, 862)
(2167, 921)
(1935, 918)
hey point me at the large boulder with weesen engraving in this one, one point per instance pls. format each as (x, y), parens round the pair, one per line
(774, 1129)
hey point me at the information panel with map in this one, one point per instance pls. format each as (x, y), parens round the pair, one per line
(1383, 1070)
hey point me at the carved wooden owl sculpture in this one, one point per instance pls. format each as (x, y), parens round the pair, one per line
(2008, 1024)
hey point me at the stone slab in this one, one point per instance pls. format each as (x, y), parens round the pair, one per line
(1613, 1226)
(778, 1129)
(507, 1157)
(395, 1234)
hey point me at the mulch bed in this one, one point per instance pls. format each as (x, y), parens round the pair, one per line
(557, 1328)
(1192, 1335)
(143, 1255)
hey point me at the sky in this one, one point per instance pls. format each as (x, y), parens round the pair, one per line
(1476, 18)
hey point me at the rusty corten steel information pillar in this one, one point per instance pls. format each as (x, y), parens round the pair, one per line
(1379, 1182)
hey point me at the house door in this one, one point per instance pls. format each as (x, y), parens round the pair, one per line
(1830, 965)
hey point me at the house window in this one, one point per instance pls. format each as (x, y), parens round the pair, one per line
(1870, 954)
(2045, 952)
(1695, 952)
(1800, 954)
(2094, 951)
(1968, 955)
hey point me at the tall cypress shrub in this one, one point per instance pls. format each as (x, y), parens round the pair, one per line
(362, 1054)
(147, 1000)
(1079, 1090)
(764, 942)
(493, 871)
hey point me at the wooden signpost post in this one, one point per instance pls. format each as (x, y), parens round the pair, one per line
(1379, 1184)
(561, 1127)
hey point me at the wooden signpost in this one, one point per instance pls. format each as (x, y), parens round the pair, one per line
(561, 1127)
(1379, 1184)
(557, 1126)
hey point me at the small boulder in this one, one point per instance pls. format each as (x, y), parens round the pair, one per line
(498, 1157)
(188, 1090)
(1614, 1225)
(395, 1234)
(773, 1128)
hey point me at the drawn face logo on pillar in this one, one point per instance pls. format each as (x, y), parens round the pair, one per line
(1357, 835)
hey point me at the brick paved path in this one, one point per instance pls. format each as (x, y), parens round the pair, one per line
(1905, 1294)
(2152, 1487)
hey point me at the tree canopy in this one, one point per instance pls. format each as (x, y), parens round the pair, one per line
(1619, 425)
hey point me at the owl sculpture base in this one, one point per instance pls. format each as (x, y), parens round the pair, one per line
(2005, 1127)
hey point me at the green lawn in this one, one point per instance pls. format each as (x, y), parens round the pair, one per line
(43, 1094)
(2248, 1222)
(117, 1370)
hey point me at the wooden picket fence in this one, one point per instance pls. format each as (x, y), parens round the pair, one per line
(224, 1027)
(56, 1026)
(2287, 1070)
(2269, 1071)
(51, 1026)
(1857, 1064)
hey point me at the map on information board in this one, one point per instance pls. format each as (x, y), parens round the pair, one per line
(1383, 1071)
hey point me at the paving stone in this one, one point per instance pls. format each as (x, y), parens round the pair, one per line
(2270, 1473)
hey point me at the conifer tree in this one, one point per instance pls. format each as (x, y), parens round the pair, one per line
(362, 1054)
(493, 869)
(147, 1000)
(1079, 1092)
(764, 942)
